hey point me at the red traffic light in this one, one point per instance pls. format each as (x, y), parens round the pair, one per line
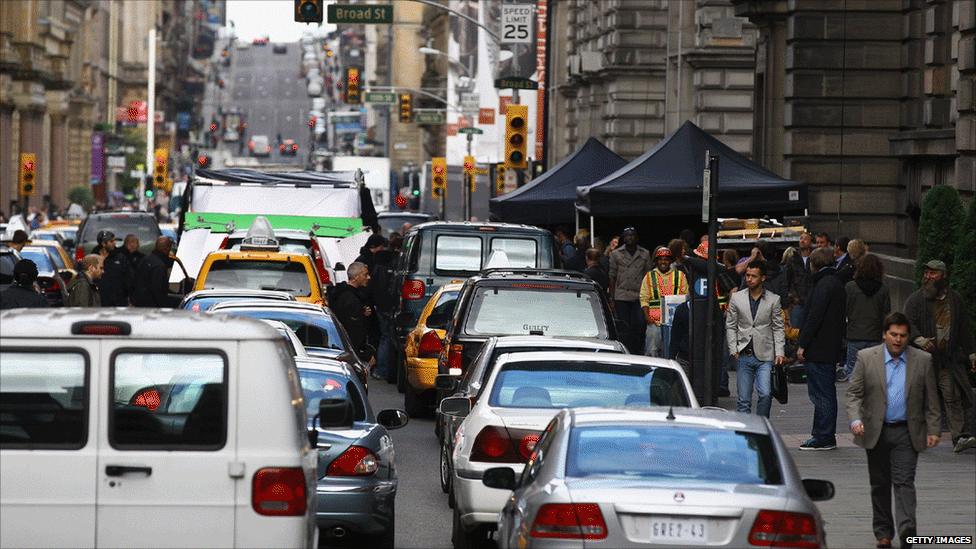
(213, 127)
(439, 170)
(203, 161)
(401, 201)
(28, 166)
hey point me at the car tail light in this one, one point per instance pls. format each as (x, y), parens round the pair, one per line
(146, 398)
(99, 328)
(413, 289)
(454, 357)
(569, 521)
(54, 287)
(319, 261)
(431, 345)
(499, 445)
(356, 461)
(784, 529)
(279, 492)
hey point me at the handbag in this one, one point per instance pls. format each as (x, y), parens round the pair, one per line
(780, 384)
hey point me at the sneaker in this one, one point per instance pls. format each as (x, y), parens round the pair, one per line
(814, 444)
(964, 443)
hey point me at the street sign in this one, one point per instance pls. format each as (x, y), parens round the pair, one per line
(360, 14)
(475, 131)
(701, 287)
(516, 83)
(706, 193)
(381, 97)
(430, 118)
(517, 23)
(470, 102)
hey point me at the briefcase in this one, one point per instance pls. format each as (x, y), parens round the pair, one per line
(780, 384)
(796, 373)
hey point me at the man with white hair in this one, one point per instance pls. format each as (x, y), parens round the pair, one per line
(348, 303)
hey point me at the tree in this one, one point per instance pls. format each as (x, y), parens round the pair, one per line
(939, 227)
(963, 277)
(81, 195)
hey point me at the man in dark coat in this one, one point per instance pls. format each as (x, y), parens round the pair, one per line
(820, 347)
(367, 254)
(347, 302)
(152, 277)
(115, 285)
(383, 298)
(21, 293)
(940, 326)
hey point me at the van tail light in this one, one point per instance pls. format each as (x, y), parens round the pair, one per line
(356, 461)
(319, 261)
(146, 398)
(784, 529)
(279, 492)
(454, 357)
(430, 345)
(413, 289)
(569, 521)
(496, 444)
(224, 242)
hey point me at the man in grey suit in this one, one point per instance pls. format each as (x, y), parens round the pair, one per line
(754, 332)
(893, 406)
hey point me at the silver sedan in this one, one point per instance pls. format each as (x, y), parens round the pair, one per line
(653, 477)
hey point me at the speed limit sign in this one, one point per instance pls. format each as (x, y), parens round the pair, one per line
(517, 23)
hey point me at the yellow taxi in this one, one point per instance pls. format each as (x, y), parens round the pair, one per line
(261, 270)
(64, 263)
(423, 346)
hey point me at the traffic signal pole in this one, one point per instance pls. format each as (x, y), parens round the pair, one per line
(467, 184)
(150, 117)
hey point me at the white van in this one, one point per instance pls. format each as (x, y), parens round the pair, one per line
(150, 428)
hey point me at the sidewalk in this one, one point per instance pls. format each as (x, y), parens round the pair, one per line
(945, 482)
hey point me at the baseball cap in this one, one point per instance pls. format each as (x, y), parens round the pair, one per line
(104, 236)
(936, 265)
(662, 251)
(375, 240)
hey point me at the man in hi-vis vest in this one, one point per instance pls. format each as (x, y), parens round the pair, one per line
(659, 282)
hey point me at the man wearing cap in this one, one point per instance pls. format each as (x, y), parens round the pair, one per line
(105, 243)
(628, 264)
(657, 284)
(940, 326)
(22, 293)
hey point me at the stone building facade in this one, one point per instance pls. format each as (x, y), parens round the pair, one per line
(629, 72)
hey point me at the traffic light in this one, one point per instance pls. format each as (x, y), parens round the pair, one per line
(516, 136)
(406, 111)
(28, 175)
(471, 171)
(160, 168)
(308, 11)
(352, 86)
(499, 179)
(438, 179)
(203, 161)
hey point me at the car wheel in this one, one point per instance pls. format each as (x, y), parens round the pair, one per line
(445, 467)
(476, 538)
(414, 404)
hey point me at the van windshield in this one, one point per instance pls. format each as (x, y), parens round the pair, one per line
(560, 311)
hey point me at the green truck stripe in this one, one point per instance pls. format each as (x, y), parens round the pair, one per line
(332, 227)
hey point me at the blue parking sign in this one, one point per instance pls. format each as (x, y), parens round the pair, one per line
(701, 287)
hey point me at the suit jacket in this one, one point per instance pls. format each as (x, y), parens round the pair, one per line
(867, 396)
(766, 331)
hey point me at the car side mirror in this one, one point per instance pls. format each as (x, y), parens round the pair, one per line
(818, 490)
(340, 266)
(392, 418)
(335, 413)
(455, 406)
(502, 478)
(446, 382)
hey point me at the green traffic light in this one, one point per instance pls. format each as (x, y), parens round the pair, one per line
(416, 192)
(309, 12)
(149, 193)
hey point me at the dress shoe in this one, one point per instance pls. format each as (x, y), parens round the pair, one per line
(722, 392)
(884, 543)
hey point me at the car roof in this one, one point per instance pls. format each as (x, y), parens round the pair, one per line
(175, 324)
(268, 304)
(244, 292)
(475, 226)
(579, 356)
(421, 215)
(500, 274)
(121, 212)
(323, 364)
(246, 255)
(658, 415)
(502, 342)
(289, 233)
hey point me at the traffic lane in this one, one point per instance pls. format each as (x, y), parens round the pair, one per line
(423, 518)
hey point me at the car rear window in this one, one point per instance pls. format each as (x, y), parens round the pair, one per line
(571, 384)
(672, 452)
(313, 330)
(443, 308)
(40, 257)
(519, 252)
(477, 377)
(545, 309)
(144, 227)
(284, 276)
(58, 260)
(168, 401)
(317, 385)
(43, 400)
(457, 253)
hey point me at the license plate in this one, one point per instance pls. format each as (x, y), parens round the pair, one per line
(679, 530)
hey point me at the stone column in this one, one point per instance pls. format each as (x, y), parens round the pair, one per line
(8, 166)
(58, 160)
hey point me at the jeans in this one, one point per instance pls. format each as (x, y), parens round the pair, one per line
(820, 386)
(384, 350)
(753, 372)
(853, 346)
(652, 340)
(797, 315)
(631, 313)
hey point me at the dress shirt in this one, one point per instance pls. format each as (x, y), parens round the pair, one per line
(895, 383)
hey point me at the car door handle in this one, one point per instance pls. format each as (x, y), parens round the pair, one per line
(119, 470)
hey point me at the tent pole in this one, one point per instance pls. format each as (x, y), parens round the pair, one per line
(592, 230)
(576, 215)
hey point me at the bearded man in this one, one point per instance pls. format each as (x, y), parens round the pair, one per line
(940, 326)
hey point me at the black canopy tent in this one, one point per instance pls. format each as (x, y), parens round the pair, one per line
(550, 198)
(667, 180)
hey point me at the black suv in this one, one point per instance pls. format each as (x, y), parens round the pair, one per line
(141, 224)
(544, 302)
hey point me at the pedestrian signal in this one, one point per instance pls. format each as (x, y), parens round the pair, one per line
(308, 11)
(438, 181)
(28, 174)
(516, 136)
(406, 110)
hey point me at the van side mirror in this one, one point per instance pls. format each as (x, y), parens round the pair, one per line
(392, 418)
(446, 382)
(502, 478)
(335, 413)
(455, 406)
(818, 490)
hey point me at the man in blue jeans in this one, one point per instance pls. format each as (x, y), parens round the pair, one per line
(755, 335)
(820, 347)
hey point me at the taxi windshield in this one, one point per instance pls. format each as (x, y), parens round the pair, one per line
(283, 276)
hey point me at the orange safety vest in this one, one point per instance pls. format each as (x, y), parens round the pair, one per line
(654, 304)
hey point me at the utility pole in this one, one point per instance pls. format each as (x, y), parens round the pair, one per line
(150, 117)
(712, 359)
(467, 184)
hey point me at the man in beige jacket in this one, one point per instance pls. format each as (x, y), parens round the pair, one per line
(893, 406)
